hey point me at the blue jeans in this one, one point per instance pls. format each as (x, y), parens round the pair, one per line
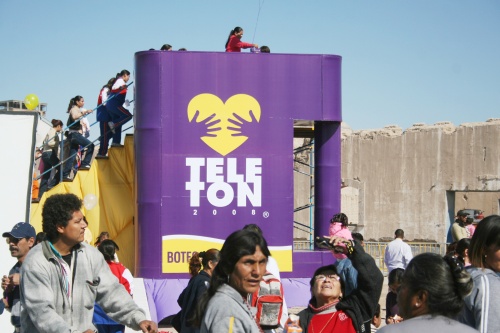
(76, 140)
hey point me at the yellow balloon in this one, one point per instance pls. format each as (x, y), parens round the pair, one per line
(31, 101)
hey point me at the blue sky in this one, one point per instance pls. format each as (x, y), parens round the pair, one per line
(404, 62)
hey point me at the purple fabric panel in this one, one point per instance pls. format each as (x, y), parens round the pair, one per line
(148, 92)
(332, 90)
(148, 240)
(150, 296)
(297, 291)
(286, 87)
(328, 175)
(148, 165)
(148, 160)
(306, 262)
(164, 293)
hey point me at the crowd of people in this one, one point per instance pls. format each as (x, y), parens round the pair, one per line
(61, 283)
(453, 293)
(56, 284)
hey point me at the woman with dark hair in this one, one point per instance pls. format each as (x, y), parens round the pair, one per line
(462, 251)
(197, 286)
(40, 237)
(482, 308)
(101, 320)
(102, 236)
(391, 301)
(166, 47)
(234, 43)
(75, 137)
(329, 310)
(119, 115)
(338, 226)
(225, 308)
(104, 117)
(431, 294)
(49, 157)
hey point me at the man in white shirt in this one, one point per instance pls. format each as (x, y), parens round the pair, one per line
(397, 253)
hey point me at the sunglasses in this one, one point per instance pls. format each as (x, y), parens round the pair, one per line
(12, 240)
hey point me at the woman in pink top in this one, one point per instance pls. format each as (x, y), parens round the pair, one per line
(234, 43)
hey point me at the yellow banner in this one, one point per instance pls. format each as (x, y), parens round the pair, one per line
(178, 249)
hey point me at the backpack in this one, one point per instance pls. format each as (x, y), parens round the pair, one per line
(268, 302)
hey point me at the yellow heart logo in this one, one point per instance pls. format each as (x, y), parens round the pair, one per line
(223, 126)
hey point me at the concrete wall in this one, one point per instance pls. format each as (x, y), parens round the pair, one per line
(417, 179)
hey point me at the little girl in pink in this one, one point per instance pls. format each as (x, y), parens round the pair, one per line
(338, 228)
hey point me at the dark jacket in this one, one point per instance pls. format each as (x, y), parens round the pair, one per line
(13, 297)
(361, 304)
(189, 297)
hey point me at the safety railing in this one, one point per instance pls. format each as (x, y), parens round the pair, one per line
(61, 147)
(377, 249)
(302, 244)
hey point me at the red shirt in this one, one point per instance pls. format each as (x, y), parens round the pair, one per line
(235, 44)
(117, 269)
(332, 322)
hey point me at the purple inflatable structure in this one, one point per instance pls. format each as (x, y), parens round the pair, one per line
(213, 147)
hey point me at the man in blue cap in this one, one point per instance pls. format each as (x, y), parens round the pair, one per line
(21, 239)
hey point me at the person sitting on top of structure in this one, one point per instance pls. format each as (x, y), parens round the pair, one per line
(234, 43)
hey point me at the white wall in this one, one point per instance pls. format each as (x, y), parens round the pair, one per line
(17, 146)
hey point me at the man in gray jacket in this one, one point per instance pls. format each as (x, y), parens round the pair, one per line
(62, 277)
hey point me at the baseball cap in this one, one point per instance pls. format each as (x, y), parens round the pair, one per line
(462, 213)
(21, 230)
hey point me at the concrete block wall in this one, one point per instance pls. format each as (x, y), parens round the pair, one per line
(417, 179)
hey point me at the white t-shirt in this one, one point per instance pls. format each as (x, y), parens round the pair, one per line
(119, 82)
